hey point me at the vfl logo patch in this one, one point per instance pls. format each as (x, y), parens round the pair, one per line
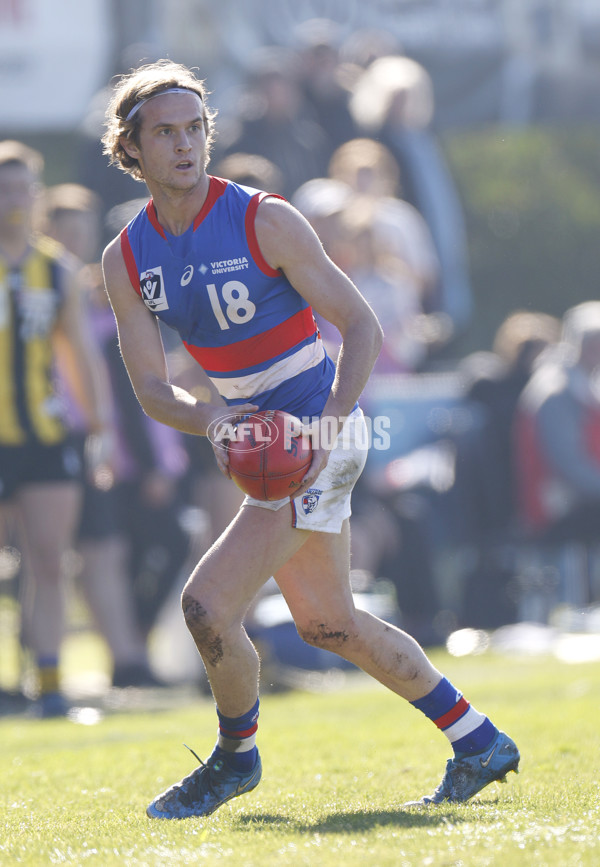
(310, 500)
(153, 289)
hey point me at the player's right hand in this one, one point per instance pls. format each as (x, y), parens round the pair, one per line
(221, 427)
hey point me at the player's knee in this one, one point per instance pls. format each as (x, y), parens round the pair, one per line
(203, 626)
(333, 637)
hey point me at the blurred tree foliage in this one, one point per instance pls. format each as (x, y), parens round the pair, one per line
(532, 207)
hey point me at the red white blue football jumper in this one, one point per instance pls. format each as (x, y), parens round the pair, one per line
(243, 321)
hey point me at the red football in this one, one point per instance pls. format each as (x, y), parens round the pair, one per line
(266, 460)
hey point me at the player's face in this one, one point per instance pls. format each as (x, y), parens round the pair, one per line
(172, 141)
(17, 195)
(79, 232)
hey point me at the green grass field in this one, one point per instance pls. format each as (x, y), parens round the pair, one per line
(337, 768)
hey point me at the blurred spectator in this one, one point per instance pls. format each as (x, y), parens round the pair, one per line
(559, 435)
(325, 79)
(558, 467)
(494, 382)
(393, 102)
(277, 123)
(322, 201)
(364, 45)
(400, 237)
(250, 170)
(125, 501)
(394, 285)
(381, 241)
(486, 458)
(369, 167)
(343, 221)
(42, 327)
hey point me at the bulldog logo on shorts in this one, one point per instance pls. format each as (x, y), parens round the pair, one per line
(310, 500)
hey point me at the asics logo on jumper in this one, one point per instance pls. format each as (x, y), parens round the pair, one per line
(485, 762)
(187, 275)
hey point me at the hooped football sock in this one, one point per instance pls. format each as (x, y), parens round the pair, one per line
(469, 731)
(48, 674)
(236, 743)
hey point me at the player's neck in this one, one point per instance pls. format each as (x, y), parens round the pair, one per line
(177, 209)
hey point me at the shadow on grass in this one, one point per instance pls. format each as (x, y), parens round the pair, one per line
(352, 821)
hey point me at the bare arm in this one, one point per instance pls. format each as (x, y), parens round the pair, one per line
(80, 358)
(144, 357)
(287, 241)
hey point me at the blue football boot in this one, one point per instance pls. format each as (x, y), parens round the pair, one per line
(204, 790)
(466, 776)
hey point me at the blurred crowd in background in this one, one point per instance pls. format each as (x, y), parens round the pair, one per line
(485, 508)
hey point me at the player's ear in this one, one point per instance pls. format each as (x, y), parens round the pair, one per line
(130, 147)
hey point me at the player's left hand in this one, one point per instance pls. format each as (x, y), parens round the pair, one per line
(317, 465)
(100, 458)
(322, 441)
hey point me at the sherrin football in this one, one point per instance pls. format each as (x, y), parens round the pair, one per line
(267, 457)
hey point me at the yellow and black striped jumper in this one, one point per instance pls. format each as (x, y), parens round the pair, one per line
(35, 445)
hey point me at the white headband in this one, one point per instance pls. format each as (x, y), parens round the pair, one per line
(142, 102)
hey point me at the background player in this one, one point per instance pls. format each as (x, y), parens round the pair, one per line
(41, 326)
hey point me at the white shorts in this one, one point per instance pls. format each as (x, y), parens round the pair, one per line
(325, 506)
